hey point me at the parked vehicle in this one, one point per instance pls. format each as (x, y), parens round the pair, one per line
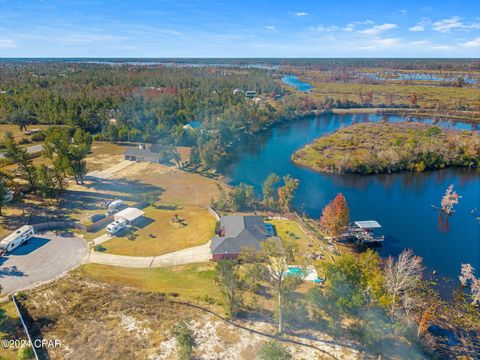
(15, 239)
(116, 226)
(112, 207)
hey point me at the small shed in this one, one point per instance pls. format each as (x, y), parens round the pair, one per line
(130, 214)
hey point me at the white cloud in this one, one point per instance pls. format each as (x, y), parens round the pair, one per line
(377, 29)
(402, 11)
(472, 43)
(7, 44)
(453, 23)
(350, 27)
(441, 47)
(301, 13)
(324, 28)
(419, 42)
(417, 28)
(270, 28)
(380, 44)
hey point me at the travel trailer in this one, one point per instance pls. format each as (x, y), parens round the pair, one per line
(116, 226)
(16, 239)
(112, 207)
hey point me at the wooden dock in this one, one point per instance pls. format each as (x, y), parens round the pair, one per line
(363, 232)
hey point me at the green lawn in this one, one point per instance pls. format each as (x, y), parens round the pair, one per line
(193, 281)
(168, 237)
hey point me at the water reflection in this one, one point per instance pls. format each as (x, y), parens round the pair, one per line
(402, 203)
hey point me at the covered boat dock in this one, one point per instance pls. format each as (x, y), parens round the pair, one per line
(364, 232)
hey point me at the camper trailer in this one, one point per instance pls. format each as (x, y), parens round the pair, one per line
(116, 226)
(112, 207)
(16, 239)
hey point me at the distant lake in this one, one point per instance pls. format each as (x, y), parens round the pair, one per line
(400, 202)
(292, 80)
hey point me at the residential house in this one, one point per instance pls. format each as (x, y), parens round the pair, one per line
(237, 232)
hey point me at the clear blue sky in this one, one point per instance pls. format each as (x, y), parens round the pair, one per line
(246, 28)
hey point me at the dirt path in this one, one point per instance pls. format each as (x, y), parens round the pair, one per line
(111, 171)
(186, 256)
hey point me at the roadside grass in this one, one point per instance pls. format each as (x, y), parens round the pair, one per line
(10, 329)
(167, 236)
(191, 282)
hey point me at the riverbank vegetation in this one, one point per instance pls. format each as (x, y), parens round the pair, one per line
(372, 148)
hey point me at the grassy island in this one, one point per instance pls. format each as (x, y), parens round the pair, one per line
(373, 148)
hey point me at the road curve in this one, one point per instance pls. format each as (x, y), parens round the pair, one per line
(43, 258)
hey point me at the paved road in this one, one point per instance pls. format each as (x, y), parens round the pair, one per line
(31, 149)
(45, 257)
(186, 256)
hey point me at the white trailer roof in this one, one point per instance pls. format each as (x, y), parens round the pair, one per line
(368, 224)
(129, 214)
(20, 231)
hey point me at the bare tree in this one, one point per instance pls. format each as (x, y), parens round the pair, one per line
(467, 275)
(449, 200)
(402, 278)
(270, 266)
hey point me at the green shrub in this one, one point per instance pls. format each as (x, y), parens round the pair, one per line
(273, 350)
(185, 340)
(25, 353)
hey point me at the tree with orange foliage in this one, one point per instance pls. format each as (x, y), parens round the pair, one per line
(335, 216)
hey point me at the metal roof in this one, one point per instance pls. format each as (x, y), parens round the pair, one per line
(368, 224)
(129, 214)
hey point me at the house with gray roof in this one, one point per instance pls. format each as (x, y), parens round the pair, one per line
(237, 232)
(149, 153)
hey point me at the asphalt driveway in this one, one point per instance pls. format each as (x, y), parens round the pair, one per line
(45, 257)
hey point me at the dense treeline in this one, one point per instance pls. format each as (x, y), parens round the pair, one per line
(141, 103)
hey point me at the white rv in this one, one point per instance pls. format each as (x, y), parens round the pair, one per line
(116, 226)
(112, 207)
(16, 239)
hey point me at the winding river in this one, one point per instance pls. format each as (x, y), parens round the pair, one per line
(402, 203)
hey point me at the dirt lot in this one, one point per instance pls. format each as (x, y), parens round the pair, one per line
(177, 186)
(117, 322)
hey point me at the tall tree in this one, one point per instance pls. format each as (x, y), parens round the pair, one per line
(270, 265)
(269, 190)
(232, 286)
(68, 152)
(3, 194)
(286, 193)
(47, 184)
(16, 155)
(335, 216)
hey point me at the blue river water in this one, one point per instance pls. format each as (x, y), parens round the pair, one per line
(402, 203)
(292, 80)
